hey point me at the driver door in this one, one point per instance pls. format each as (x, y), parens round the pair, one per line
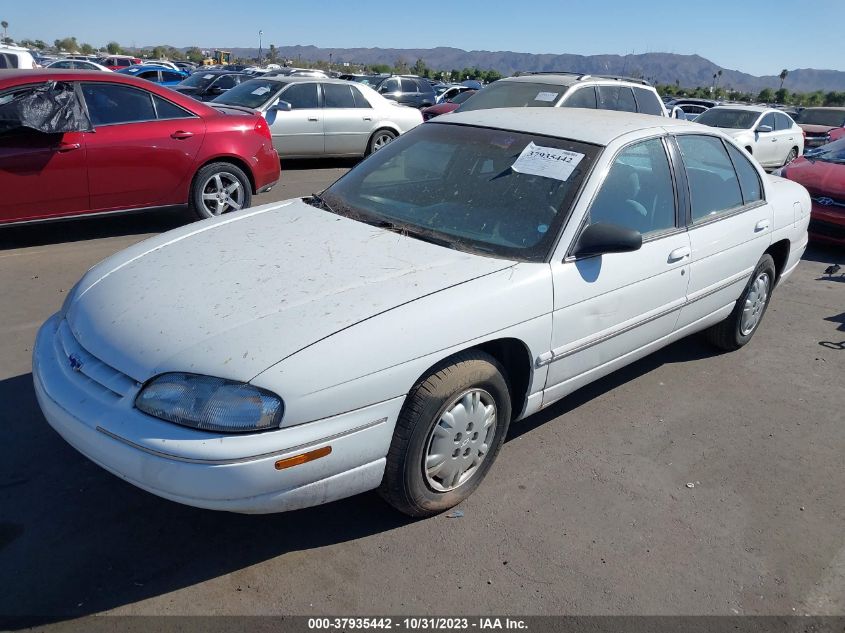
(299, 133)
(612, 306)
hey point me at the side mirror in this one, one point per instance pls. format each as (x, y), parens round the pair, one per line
(677, 113)
(215, 90)
(762, 129)
(281, 106)
(382, 90)
(602, 237)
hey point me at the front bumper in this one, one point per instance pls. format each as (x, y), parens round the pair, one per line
(215, 471)
(827, 225)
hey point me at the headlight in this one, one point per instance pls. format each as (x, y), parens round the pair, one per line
(210, 404)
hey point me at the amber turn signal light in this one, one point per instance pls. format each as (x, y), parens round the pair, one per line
(296, 460)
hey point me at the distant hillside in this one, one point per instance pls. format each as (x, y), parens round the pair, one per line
(689, 70)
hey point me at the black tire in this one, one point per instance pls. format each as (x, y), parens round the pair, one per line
(728, 335)
(405, 485)
(793, 154)
(202, 185)
(379, 139)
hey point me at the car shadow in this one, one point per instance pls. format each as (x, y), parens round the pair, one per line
(93, 228)
(824, 254)
(294, 164)
(78, 541)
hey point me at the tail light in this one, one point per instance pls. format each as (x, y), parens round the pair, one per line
(262, 128)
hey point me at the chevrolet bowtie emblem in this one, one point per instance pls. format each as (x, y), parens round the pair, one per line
(75, 362)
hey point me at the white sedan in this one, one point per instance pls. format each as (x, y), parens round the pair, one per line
(385, 333)
(315, 117)
(769, 135)
(77, 64)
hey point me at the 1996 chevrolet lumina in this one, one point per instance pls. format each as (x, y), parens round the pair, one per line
(385, 333)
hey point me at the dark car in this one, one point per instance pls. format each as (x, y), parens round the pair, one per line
(205, 85)
(818, 123)
(410, 91)
(822, 172)
(76, 143)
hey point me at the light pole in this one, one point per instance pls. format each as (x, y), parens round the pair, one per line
(260, 33)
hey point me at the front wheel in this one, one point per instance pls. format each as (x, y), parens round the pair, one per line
(736, 330)
(219, 188)
(447, 436)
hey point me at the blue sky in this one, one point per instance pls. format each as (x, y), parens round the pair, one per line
(755, 36)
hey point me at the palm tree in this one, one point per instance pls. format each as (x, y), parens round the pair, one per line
(5, 26)
(782, 76)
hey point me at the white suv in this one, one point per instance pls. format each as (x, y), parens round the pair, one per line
(570, 90)
(16, 57)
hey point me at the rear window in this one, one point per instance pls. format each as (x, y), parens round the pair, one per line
(728, 118)
(515, 94)
(816, 116)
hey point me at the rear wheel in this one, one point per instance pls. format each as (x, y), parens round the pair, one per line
(380, 139)
(219, 188)
(736, 330)
(447, 436)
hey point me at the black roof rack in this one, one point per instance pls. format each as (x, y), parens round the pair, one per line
(583, 76)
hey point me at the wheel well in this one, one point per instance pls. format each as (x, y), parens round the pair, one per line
(749, 150)
(780, 253)
(517, 361)
(237, 162)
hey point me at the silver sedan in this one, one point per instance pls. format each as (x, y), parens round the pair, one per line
(312, 117)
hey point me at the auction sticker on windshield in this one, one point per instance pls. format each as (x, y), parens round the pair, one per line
(263, 90)
(549, 162)
(546, 96)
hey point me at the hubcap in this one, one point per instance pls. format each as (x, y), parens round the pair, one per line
(460, 440)
(381, 141)
(755, 302)
(222, 193)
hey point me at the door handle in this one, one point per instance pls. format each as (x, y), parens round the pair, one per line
(313, 118)
(368, 118)
(68, 147)
(181, 135)
(762, 225)
(679, 253)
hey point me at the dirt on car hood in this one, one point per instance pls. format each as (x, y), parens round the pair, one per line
(230, 297)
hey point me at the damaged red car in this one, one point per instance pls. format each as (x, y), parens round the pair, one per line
(79, 143)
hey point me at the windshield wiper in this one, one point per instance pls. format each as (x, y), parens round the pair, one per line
(404, 229)
(316, 200)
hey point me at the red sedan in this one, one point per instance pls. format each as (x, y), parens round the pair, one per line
(76, 143)
(822, 172)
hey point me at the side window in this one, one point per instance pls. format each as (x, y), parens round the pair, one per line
(389, 85)
(301, 96)
(8, 61)
(167, 110)
(617, 98)
(169, 76)
(225, 82)
(409, 85)
(124, 62)
(647, 101)
(749, 180)
(424, 86)
(360, 99)
(149, 75)
(713, 184)
(782, 122)
(581, 98)
(337, 96)
(638, 192)
(109, 104)
(769, 120)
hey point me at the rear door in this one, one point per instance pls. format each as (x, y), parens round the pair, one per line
(41, 175)
(766, 149)
(142, 149)
(347, 121)
(730, 224)
(787, 134)
(300, 132)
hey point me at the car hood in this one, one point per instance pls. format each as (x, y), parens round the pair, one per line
(815, 129)
(818, 177)
(234, 295)
(442, 108)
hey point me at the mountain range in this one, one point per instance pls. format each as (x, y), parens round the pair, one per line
(688, 70)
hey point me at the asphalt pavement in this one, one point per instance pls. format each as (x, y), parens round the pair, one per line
(692, 482)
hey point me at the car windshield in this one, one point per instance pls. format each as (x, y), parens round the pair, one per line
(463, 96)
(730, 119)
(830, 153)
(468, 188)
(815, 116)
(369, 80)
(199, 80)
(514, 94)
(251, 94)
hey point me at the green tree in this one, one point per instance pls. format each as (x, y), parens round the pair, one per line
(420, 68)
(68, 44)
(380, 69)
(815, 98)
(272, 55)
(781, 95)
(782, 76)
(5, 26)
(86, 49)
(159, 52)
(114, 48)
(40, 45)
(765, 95)
(194, 54)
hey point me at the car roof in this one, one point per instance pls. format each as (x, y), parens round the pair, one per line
(299, 79)
(599, 127)
(832, 108)
(569, 79)
(747, 108)
(145, 67)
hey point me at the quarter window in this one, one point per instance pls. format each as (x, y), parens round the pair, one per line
(109, 104)
(769, 120)
(647, 101)
(782, 122)
(360, 99)
(713, 184)
(389, 85)
(582, 98)
(617, 98)
(749, 179)
(409, 85)
(167, 110)
(301, 96)
(638, 192)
